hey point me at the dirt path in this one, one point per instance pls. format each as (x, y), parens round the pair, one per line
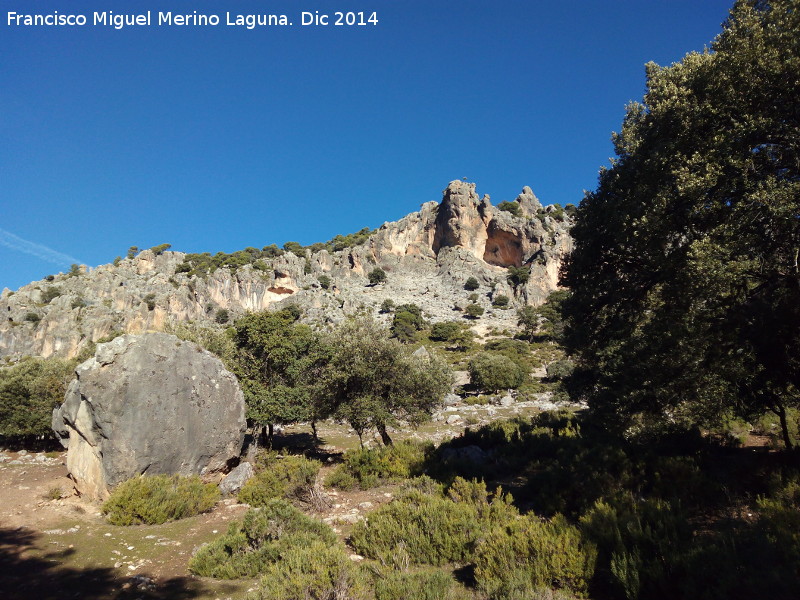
(64, 549)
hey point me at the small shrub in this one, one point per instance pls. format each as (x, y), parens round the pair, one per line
(471, 284)
(421, 528)
(387, 306)
(132, 252)
(367, 467)
(150, 301)
(474, 311)
(445, 331)
(510, 207)
(54, 493)
(473, 298)
(262, 537)
(494, 372)
(160, 249)
(527, 554)
(419, 585)
(32, 317)
(500, 301)
(324, 282)
(518, 275)
(50, 294)
(222, 316)
(291, 477)
(314, 571)
(376, 276)
(158, 499)
(560, 369)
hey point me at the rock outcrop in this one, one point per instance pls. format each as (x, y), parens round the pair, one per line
(149, 404)
(428, 255)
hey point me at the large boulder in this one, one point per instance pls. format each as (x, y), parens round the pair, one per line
(152, 404)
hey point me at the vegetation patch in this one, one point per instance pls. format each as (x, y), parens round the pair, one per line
(264, 537)
(156, 499)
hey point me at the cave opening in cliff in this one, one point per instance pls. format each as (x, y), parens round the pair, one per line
(503, 248)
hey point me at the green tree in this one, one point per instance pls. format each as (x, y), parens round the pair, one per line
(372, 382)
(546, 320)
(295, 248)
(518, 275)
(275, 361)
(511, 207)
(685, 283)
(474, 311)
(493, 372)
(376, 276)
(387, 306)
(29, 391)
(133, 251)
(471, 284)
(324, 281)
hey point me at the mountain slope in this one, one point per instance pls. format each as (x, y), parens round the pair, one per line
(427, 256)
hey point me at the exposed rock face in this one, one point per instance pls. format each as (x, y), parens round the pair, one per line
(427, 255)
(149, 403)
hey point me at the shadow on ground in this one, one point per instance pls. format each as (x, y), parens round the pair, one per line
(29, 572)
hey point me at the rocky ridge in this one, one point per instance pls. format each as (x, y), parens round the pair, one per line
(427, 256)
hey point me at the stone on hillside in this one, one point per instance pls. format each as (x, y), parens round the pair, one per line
(234, 480)
(506, 401)
(452, 400)
(152, 404)
(471, 454)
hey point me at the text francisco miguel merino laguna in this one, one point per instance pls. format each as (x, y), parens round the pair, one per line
(193, 19)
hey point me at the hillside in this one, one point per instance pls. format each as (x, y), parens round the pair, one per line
(427, 257)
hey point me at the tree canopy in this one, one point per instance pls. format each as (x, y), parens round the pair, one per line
(371, 381)
(685, 284)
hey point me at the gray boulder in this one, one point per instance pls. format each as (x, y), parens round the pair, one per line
(234, 480)
(152, 404)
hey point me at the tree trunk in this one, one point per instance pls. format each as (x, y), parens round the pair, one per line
(270, 435)
(781, 412)
(314, 432)
(387, 441)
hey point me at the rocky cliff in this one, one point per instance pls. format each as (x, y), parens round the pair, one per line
(427, 256)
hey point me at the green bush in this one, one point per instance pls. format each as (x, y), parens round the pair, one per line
(560, 369)
(387, 306)
(222, 316)
(471, 284)
(324, 281)
(510, 207)
(50, 294)
(431, 584)
(159, 498)
(639, 544)
(367, 467)
(500, 301)
(376, 276)
(493, 372)
(291, 477)
(29, 391)
(150, 301)
(420, 528)
(518, 275)
(32, 317)
(445, 331)
(263, 537)
(527, 554)
(160, 249)
(315, 571)
(474, 311)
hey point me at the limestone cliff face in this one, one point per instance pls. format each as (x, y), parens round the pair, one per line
(427, 255)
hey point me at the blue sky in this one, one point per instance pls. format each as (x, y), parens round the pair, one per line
(218, 138)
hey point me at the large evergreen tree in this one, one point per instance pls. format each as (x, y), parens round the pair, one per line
(685, 286)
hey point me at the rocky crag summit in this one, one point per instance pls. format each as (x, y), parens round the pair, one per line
(427, 257)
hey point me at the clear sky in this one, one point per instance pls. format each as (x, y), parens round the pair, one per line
(218, 138)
